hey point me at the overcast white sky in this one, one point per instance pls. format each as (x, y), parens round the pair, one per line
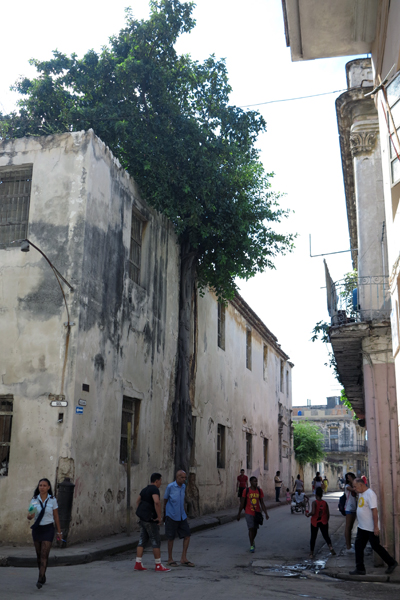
(301, 145)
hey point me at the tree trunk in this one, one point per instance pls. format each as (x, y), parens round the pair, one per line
(182, 410)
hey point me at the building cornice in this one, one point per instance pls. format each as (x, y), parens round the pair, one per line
(254, 320)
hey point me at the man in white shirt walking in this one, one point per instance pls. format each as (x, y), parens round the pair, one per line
(368, 529)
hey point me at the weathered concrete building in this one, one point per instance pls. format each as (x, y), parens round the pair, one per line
(365, 339)
(77, 365)
(345, 441)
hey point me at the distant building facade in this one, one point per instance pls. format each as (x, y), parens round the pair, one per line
(77, 367)
(345, 441)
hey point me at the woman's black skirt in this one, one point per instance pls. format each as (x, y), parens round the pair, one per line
(43, 533)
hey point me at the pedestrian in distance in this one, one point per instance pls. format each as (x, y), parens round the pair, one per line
(278, 485)
(44, 509)
(350, 508)
(148, 509)
(175, 517)
(288, 496)
(319, 520)
(317, 482)
(242, 483)
(325, 483)
(298, 485)
(368, 529)
(252, 502)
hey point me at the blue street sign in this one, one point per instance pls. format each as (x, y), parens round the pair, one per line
(79, 410)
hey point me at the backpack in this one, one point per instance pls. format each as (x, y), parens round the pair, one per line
(342, 503)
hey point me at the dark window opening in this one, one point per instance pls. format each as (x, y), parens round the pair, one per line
(193, 448)
(135, 250)
(130, 414)
(249, 450)
(85, 387)
(265, 362)
(266, 457)
(221, 447)
(221, 326)
(6, 415)
(248, 348)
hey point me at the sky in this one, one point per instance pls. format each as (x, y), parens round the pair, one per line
(300, 146)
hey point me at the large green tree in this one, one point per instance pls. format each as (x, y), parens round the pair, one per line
(168, 120)
(308, 442)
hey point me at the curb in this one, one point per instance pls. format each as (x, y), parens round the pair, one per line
(75, 558)
(367, 578)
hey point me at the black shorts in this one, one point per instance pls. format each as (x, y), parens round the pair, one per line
(176, 527)
(240, 492)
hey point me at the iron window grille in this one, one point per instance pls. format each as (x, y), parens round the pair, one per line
(135, 250)
(15, 192)
(221, 447)
(6, 415)
(249, 450)
(221, 326)
(248, 348)
(130, 414)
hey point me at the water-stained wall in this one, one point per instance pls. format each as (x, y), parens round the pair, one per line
(247, 402)
(122, 340)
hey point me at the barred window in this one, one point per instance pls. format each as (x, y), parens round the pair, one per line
(221, 447)
(249, 451)
(130, 414)
(221, 326)
(6, 415)
(135, 250)
(15, 192)
(266, 454)
(265, 362)
(248, 348)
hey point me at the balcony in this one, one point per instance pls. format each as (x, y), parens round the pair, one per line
(369, 300)
(332, 446)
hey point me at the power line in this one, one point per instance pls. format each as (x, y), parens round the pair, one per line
(290, 99)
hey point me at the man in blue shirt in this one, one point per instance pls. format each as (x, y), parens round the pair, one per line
(176, 519)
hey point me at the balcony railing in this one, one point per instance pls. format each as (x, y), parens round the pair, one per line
(332, 446)
(368, 301)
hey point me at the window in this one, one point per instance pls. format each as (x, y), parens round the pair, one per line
(248, 348)
(221, 447)
(6, 415)
(282, 375)
(130, 414)
(135, 251)
(249, 450)
(193, 448)
(287, 384)
(15, 192)
(265, 362)
(334, 436)
(265, 454)
(221, 326)
(393, 95)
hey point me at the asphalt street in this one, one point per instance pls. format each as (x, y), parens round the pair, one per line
(224, 568)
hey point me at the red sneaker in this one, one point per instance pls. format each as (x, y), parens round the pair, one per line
(161, 567)
(139, 567)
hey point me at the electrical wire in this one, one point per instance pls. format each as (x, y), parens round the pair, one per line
(290, 99)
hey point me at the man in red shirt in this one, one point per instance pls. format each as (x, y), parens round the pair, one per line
(241, 484)
(252, 501)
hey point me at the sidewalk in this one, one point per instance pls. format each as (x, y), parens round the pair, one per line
(24, 556)
(339, 566)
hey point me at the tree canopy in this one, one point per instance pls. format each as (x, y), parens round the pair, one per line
(308, 442)
(168, 120)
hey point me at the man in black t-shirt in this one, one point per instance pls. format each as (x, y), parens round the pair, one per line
(148, 509)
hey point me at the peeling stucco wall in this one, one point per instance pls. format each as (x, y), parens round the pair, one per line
(240, 399)
(123, 341)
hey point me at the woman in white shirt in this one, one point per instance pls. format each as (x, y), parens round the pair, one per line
(351, 509)
(44, 509)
